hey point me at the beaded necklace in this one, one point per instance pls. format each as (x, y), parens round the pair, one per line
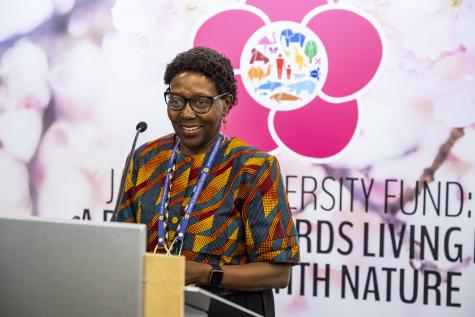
(162, 210)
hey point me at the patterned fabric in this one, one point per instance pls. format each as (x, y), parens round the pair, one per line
(242, 214)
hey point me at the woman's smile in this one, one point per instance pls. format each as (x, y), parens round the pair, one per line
(190, 130)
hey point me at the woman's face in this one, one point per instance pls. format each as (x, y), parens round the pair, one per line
(197, 132)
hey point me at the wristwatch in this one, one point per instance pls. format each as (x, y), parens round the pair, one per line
(215, 276)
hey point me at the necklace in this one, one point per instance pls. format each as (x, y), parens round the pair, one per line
(189, 207)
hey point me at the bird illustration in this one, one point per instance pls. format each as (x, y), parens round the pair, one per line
(299, 58)
(266, 41)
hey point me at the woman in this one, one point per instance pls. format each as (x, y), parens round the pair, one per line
(213, 199)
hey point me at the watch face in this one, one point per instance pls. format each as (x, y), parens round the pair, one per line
(215, 276)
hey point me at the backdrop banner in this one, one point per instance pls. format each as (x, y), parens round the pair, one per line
(368, 105)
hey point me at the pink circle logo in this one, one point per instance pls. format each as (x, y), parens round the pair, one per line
(300, 68)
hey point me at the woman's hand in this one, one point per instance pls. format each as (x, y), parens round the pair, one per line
(196, 273)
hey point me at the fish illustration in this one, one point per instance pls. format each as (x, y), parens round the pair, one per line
(270, 85)
(282, 96)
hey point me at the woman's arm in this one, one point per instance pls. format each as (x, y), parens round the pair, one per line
(270, 238)
(254, 276)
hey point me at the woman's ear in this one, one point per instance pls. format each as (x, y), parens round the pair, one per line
(228, 101)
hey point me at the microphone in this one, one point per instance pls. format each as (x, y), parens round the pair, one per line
(141, 127)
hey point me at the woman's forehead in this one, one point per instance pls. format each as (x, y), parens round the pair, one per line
(192, 80)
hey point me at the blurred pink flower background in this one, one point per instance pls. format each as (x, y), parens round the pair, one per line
(76, 77)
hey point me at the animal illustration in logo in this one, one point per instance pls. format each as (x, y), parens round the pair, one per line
(265, 41)
(273, 50)
(258, 56)
(315, 73)
(282, 96)
(258, 72)
(299, 59)
(270, 85)
(289, 36)
(305, 85)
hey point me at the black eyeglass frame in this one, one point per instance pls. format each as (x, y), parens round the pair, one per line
(192, 101)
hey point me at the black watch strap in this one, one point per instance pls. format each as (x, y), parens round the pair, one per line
(215, 276)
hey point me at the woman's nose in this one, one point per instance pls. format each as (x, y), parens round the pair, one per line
(187, 111)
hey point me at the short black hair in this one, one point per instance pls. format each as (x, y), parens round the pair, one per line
(208, 62)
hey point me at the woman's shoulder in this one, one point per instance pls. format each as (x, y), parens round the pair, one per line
(247, 154)
(152, 147)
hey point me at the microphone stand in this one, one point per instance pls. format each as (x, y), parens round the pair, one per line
(141, 127)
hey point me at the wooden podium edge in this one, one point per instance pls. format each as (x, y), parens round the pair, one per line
(164, 285)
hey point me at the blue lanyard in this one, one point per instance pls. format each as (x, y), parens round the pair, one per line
(196, 192)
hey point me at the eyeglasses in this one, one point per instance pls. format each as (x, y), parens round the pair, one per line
(199, 104)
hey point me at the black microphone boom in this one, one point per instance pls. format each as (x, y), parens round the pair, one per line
(141, 127)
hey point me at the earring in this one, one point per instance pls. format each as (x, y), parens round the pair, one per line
(224, 122)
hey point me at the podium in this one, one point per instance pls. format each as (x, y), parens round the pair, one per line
(72, 268)
(164, 283)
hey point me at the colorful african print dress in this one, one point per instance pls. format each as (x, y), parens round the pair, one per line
(242, 213)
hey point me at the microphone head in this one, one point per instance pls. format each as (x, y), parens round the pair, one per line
(141, 126)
